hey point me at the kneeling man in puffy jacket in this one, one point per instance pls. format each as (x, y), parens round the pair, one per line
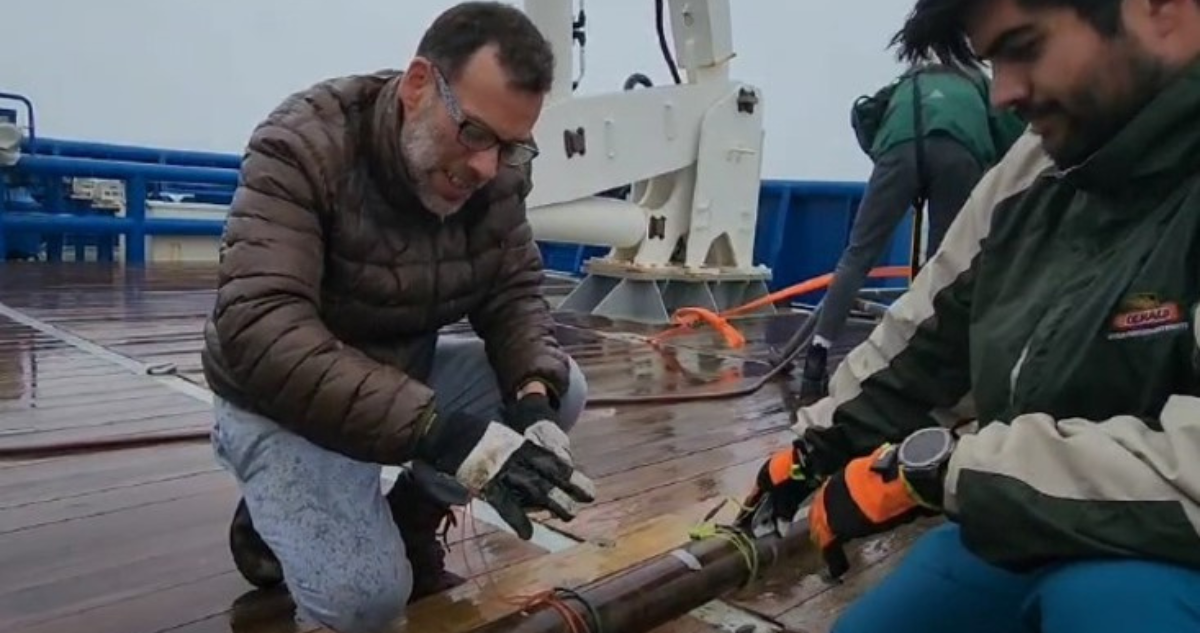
(371, 211)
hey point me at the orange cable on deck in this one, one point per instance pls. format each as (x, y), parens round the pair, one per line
(687, 318)
(553, 598)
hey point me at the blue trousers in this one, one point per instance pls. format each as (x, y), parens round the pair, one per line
(941, 587)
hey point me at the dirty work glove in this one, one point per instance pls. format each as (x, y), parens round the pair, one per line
(869, 496)
(785, 481)
(504, 468)
(533, 417)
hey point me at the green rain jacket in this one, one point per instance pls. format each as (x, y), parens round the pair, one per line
(952, 105)
(1060, 314)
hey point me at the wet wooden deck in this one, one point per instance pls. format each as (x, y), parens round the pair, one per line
(133, 541)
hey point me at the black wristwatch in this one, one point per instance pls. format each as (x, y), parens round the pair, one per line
(923, 457)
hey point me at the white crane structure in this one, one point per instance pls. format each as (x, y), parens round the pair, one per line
(691, 153)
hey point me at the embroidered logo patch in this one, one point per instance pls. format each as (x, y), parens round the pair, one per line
(1145, 315)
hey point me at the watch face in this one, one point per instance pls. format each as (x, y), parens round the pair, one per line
(927, 447)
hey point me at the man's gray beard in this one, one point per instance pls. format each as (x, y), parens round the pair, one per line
(419, 144)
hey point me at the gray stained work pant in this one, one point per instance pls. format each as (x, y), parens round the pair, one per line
(952, 172)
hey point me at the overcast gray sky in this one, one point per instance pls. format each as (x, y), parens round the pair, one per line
(215, 67)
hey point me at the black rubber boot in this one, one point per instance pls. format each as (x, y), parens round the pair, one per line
(419, 518)
(814, 382)
(254, 560)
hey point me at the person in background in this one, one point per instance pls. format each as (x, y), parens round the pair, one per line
(931, 134)
(1061, 318)
(371, 211)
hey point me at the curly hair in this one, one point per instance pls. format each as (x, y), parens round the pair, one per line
(463, 29)
(936, 29)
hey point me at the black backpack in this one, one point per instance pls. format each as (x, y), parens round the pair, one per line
(868, 111)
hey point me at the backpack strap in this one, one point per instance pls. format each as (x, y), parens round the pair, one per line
(922, 196)
(919, 131)
(980, 81)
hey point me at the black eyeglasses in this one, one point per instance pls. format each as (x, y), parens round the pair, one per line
(477, 137)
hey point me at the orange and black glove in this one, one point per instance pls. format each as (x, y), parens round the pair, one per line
(870, 496)
(785, 480)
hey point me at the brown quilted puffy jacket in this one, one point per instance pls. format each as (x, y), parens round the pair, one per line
(334, 279)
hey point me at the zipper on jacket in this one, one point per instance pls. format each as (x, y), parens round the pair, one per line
(437, 269)
(1015, 375)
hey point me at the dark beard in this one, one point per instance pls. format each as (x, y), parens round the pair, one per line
(1094, 118)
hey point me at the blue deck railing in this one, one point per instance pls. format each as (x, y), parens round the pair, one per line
(38, 213)
(802, 225)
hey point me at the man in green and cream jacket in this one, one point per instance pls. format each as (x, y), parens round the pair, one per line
(1059, 316)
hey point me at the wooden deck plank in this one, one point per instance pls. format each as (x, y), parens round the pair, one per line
(49, 373)
(690, 500)
(609, 449)
(139, 552)
(93, 504)
(139, 427)
(686, 485)
(48, 361)
(67, 394)
(138, 405)
(87, 395)
(43, 480)
(681, 458)
(70, 548)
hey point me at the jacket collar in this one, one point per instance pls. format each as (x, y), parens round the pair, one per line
(384, 158)
(1162, 140)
